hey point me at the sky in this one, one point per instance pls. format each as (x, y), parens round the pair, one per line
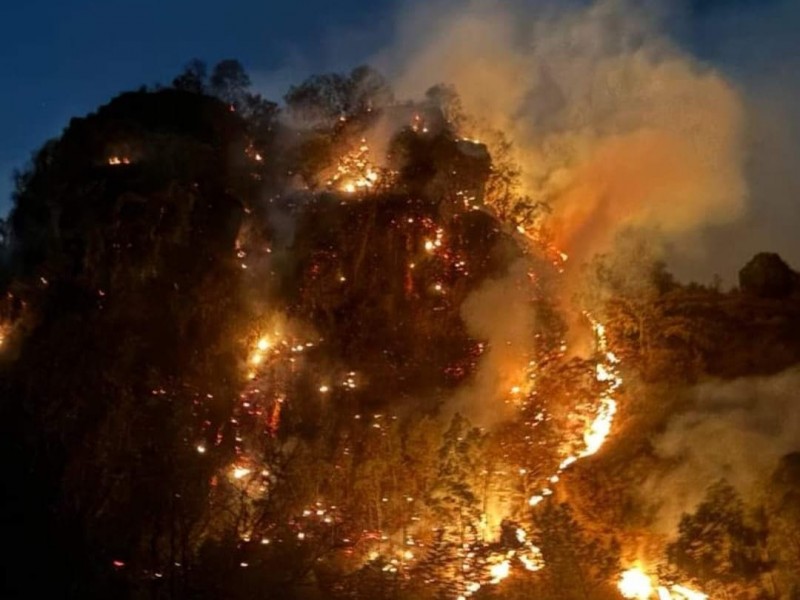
(60, 59)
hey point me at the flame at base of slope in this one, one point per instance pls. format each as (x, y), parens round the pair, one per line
(636, 584)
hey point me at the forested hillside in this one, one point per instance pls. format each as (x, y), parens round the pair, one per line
(327, 349)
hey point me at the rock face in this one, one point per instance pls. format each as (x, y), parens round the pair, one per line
(146, 177)
(123, 259)
(768, 276)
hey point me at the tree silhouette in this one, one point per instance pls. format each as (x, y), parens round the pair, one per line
(579, 565)
(229, 82)
(719, 547)
(193, 77)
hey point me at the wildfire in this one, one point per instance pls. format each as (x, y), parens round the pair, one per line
(598, 430)
(606, 372)
(355, 172)
(635, 583)
(272, 358)
(118, 160)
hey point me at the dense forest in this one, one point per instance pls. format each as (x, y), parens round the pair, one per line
(327, 349)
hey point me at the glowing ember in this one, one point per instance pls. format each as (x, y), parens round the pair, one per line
(240, 472)
(521, 535)
(532, 564)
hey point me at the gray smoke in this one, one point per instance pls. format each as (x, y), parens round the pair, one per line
(736, 430)
(613, 123)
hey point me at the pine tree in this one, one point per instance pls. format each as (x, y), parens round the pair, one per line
(719, 547)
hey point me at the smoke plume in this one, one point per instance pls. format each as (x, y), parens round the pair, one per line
(736, 430)
(756, 43)
(500, 312)
(612, 123)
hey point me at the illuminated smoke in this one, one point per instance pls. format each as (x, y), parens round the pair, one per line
(500, 312)
(613, 125)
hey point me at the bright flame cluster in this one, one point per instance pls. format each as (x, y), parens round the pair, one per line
(498, 564)
(607, 374)
(597, 432)
(355, 172)
(634, 583)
